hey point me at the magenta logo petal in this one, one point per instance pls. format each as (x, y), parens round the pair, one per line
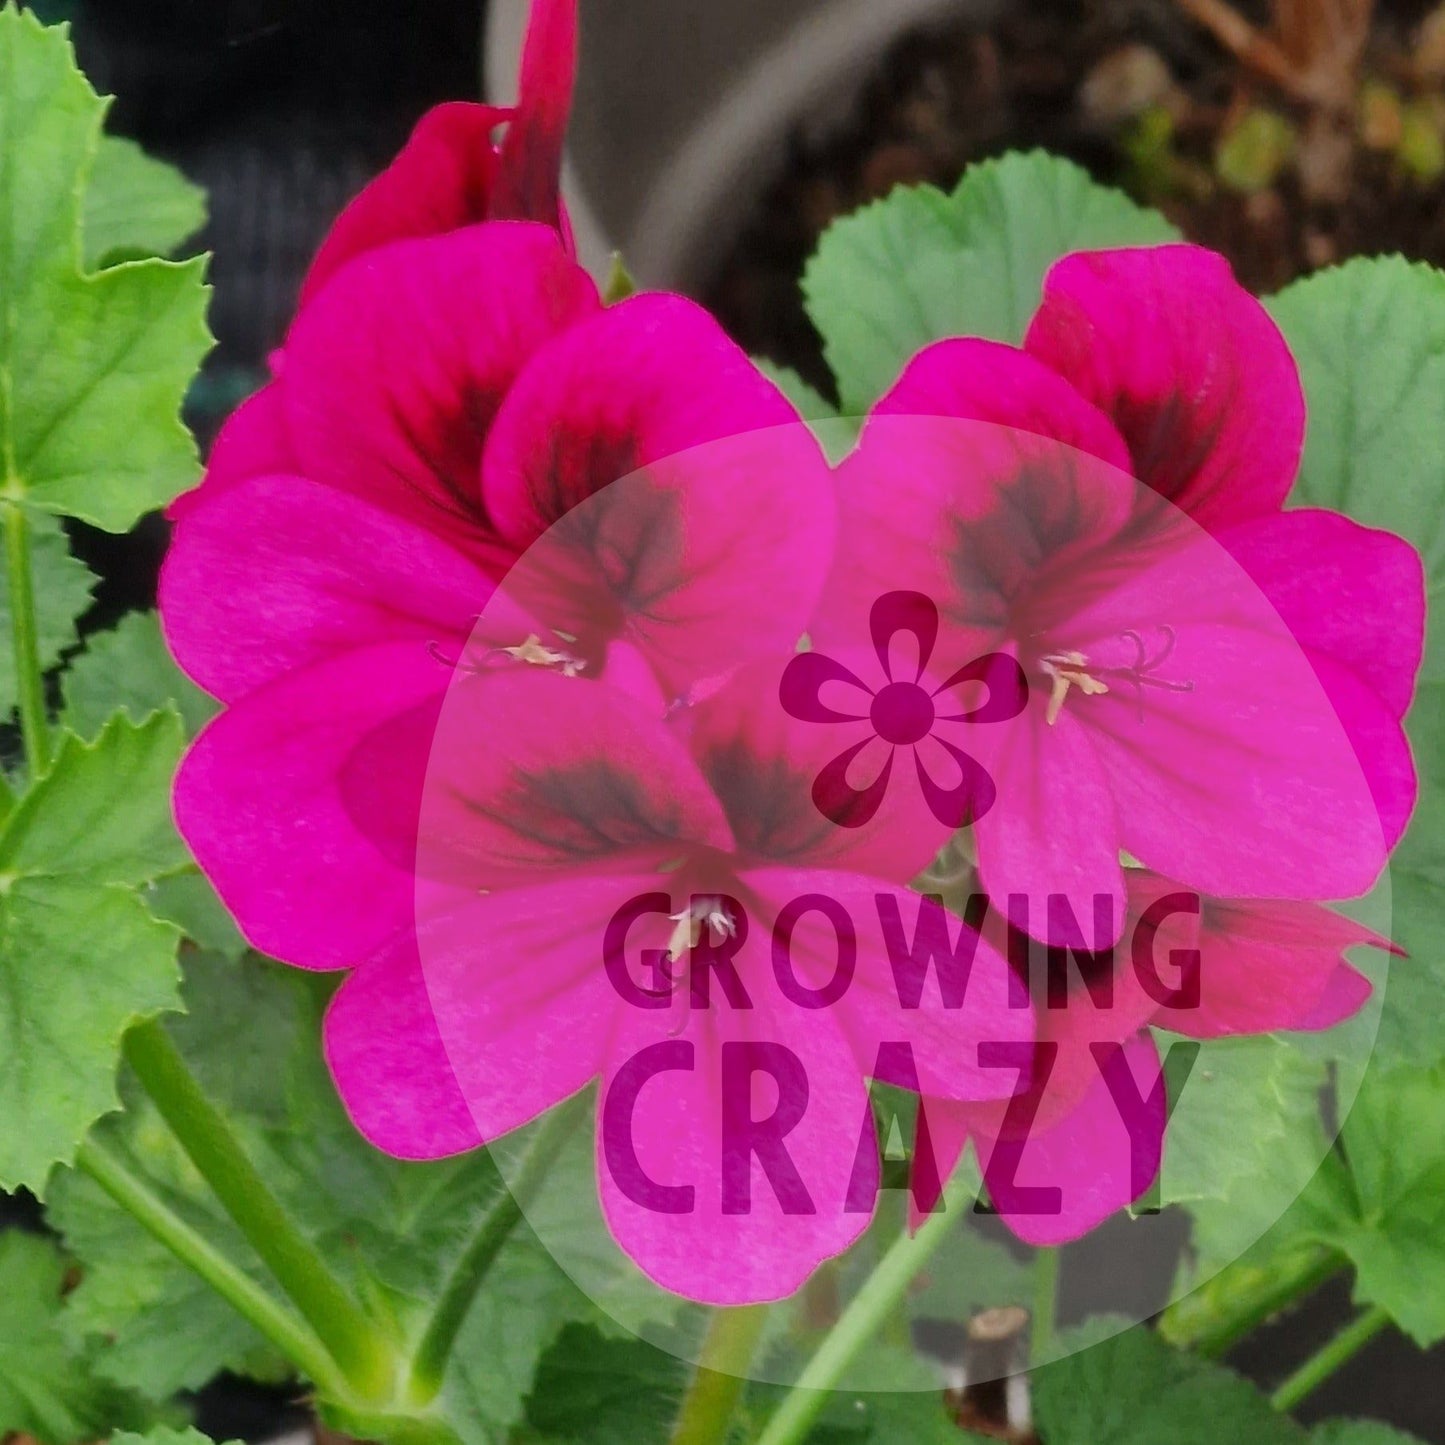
(904, 713)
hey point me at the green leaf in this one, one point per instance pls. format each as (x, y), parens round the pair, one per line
(390, 1229)
(1380, 1203)
(47, 1389)
(1360, 1432)
(811, 405)
(81, 958)
(93, 368)
(596, 1391)
(1394, 1141)
(129, 669)
(136, 205)
(103, 812)
(1135, 1390)
(62, 592)
(1244, 1097)
(921, 265)
(1369, 338)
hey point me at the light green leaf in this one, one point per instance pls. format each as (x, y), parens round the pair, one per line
(47, 1389)
(837, 435)
(81, 959)
(62, 592)
(93, 368)
(391, 1229)
(1243, 1098)
(1360, 1432)
(1394, 1141)
(103, 812)
(129, 669)
(1135, 1390)
(920, 265)
(136, 205)
(1369, 338)
(79, 964)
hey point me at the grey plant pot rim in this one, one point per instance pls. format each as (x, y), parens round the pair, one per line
(697, 199)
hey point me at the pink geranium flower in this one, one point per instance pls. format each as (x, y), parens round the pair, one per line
(1085, 1137)
(1213, 702)
(451, 174)
(657, 902)
(358, 514)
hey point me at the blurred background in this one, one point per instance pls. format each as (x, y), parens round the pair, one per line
(712, 144)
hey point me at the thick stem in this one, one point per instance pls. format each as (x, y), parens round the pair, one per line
(429, 1362)
(1331, 1357)
(30, 680)
(1242, 1297)
(862, 1319)
(1046, 1304)
(712, 1398)
(289, 1333)
(206, 1135)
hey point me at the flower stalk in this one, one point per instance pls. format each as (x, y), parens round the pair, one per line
(1046, 1305)
(364, 1357)
(1333, 1356)
(428, 1366)
(289, 1333)
(1242, 1297)
(30, 680)
(717, 1385)
(862, 1319)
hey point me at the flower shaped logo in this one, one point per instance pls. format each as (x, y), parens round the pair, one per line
(904, 714)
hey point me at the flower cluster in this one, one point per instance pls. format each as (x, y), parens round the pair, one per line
(503, 589)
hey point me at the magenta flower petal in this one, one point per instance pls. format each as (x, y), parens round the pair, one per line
(524, 1010)
(441, 181)
(569, 774)
(396, 1081)
(715, 1252)
(986, 381)
(763, 765)
(1346, 993)
(702, 511)
(450, 174)
(1266, 965)
(1055, 825)
(255, 587)
(967, 511)
(1375, 582)
(1240, 778)
(392, 376)
(529, 168)
(253, 442)
(1086, 1154)
(942, 1032)
(1189, 367)
(1090, 1154)
(260, 799)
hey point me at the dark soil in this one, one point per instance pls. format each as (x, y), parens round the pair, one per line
(1065, 76)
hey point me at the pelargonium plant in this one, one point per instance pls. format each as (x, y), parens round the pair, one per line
(645, 889)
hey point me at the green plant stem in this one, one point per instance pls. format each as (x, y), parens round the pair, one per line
(1046, 1304)
(1337, 1353)
(1242, 1297)
(717, 1384)
(30, 680)
(862, 1319)
(429, 1362)
(288, 1332)
(365, 1358)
